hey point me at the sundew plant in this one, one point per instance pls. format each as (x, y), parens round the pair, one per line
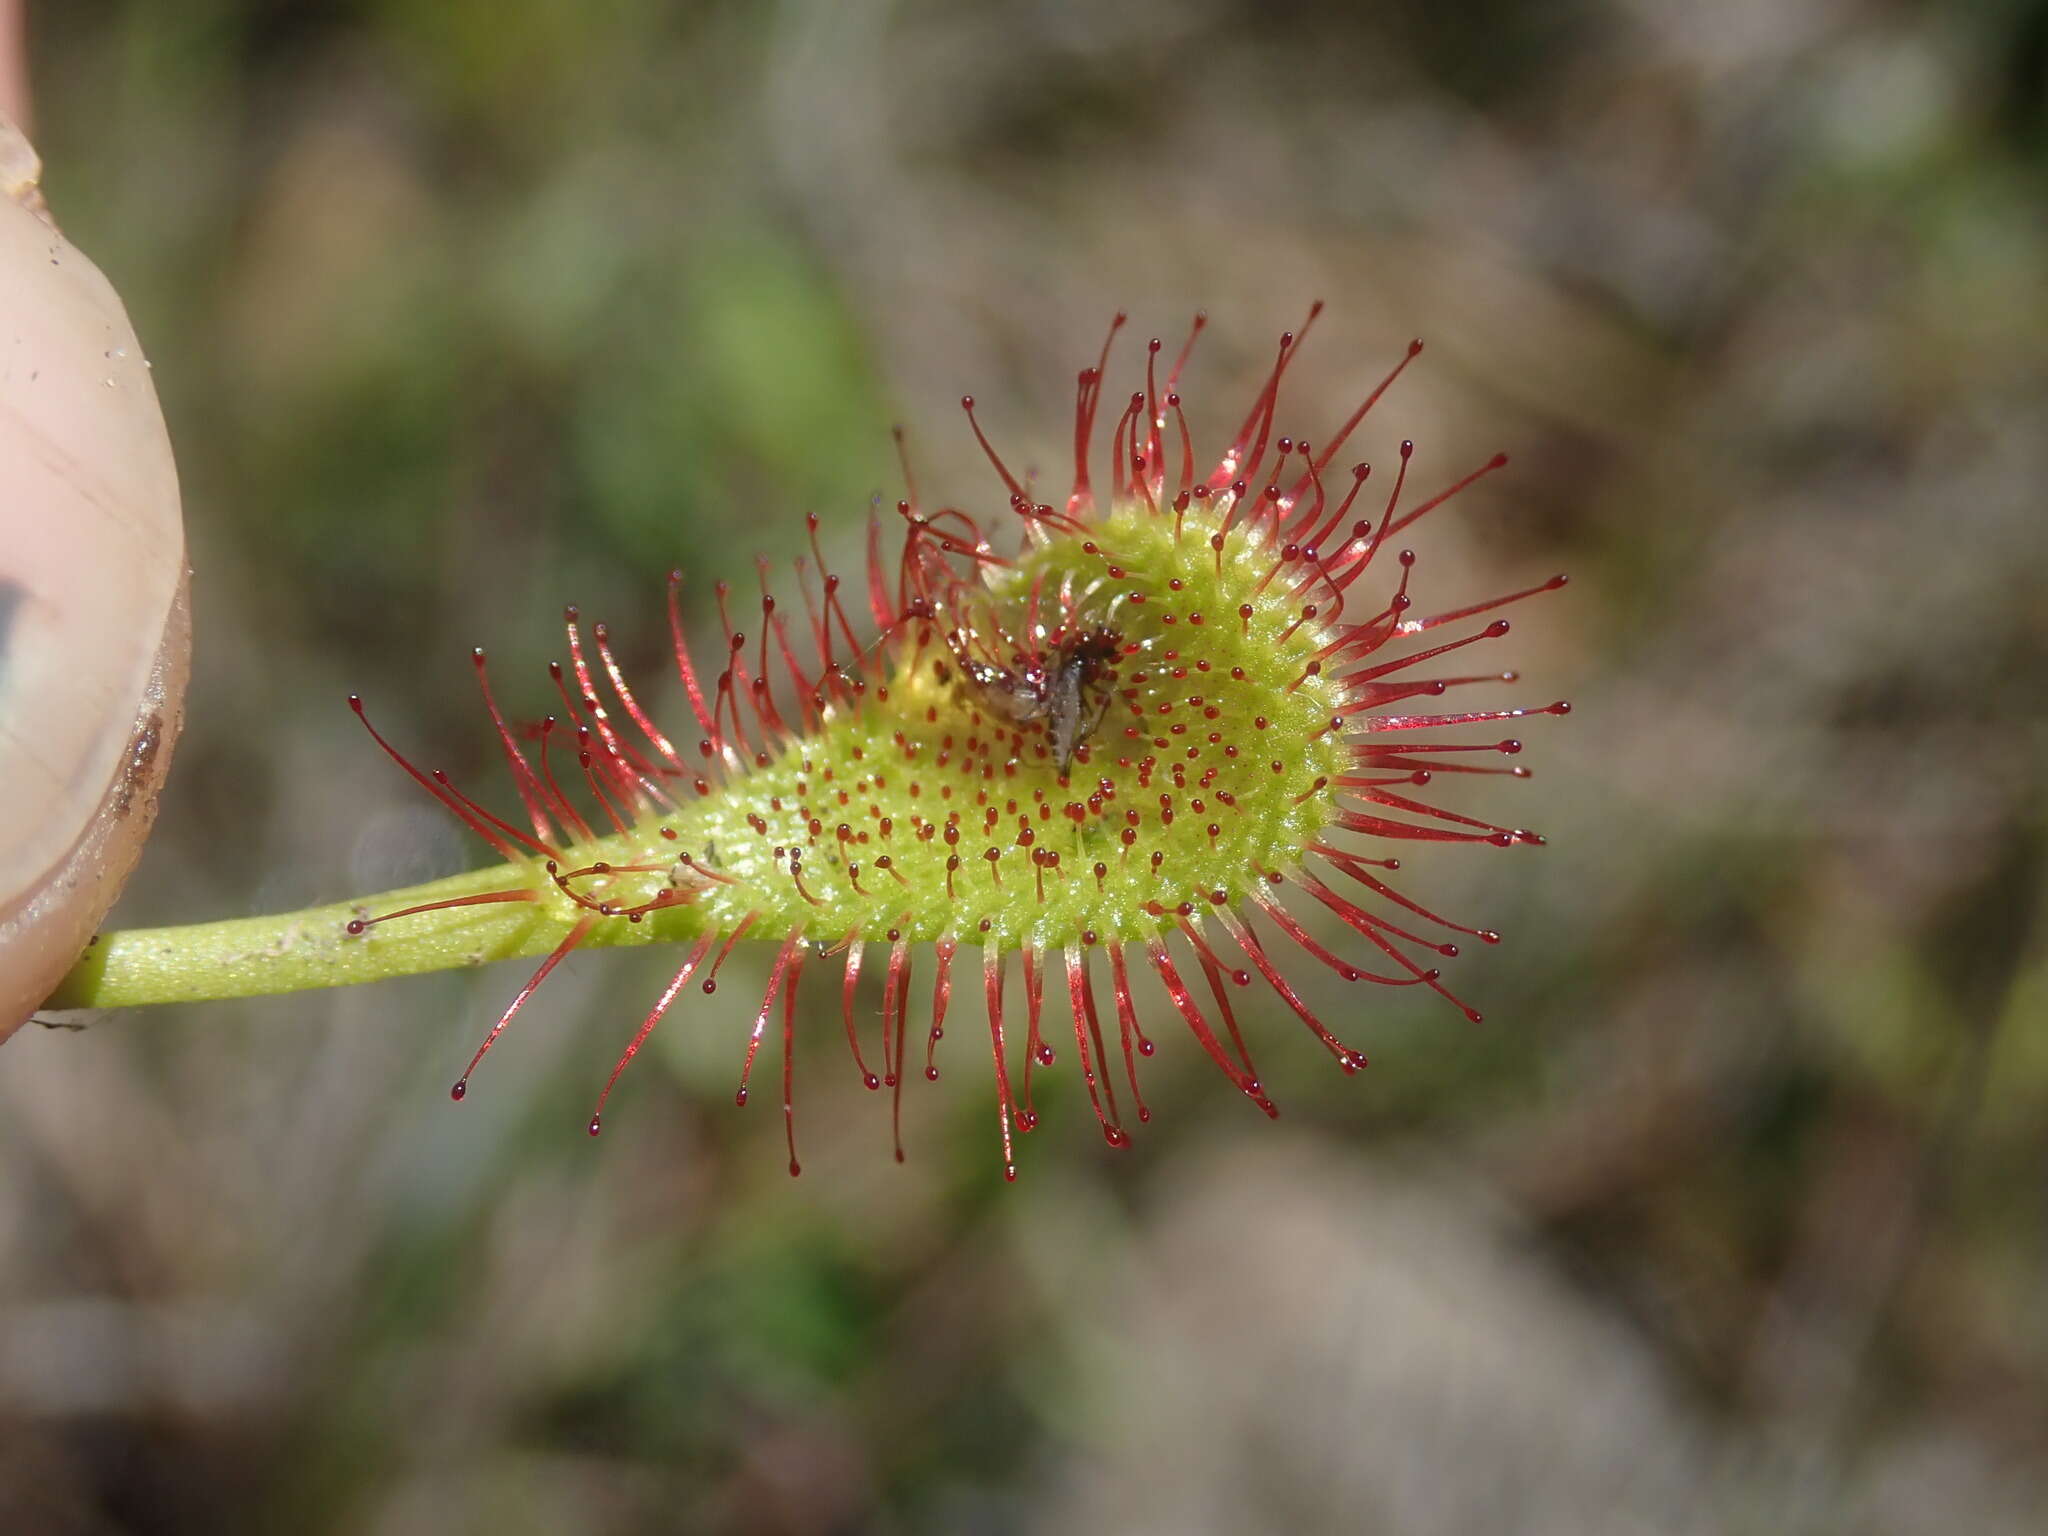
(1142, 728)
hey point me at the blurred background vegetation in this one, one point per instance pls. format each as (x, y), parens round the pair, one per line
(1733, 1216)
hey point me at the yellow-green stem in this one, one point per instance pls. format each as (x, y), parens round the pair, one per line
(300, 951)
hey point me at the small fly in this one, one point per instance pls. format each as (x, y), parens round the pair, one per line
(1068, 689)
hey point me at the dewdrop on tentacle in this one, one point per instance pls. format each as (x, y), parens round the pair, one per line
(1087, 740)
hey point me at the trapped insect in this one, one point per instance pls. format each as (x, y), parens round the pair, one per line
(1069, 687)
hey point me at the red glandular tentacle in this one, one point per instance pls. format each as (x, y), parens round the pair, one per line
(1036, 1052)
(789, 1062)
(578, 931)
(895, 1025)
(854, 947)
(470, 816)
(1177, 990)
(1335, 445)
(1128, 1032)
(669, 993)
(1349, 680)
(992, 989)
(1349, 1059)
(1453, 615)
(789, 955)
(1355, 869)
(1234, 464)
(531, 792)
(1087, 1028)
(685, 670)
(1285, 922)
(660, 742)
(1498, 461)
(1215, 970)
(942, 997)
